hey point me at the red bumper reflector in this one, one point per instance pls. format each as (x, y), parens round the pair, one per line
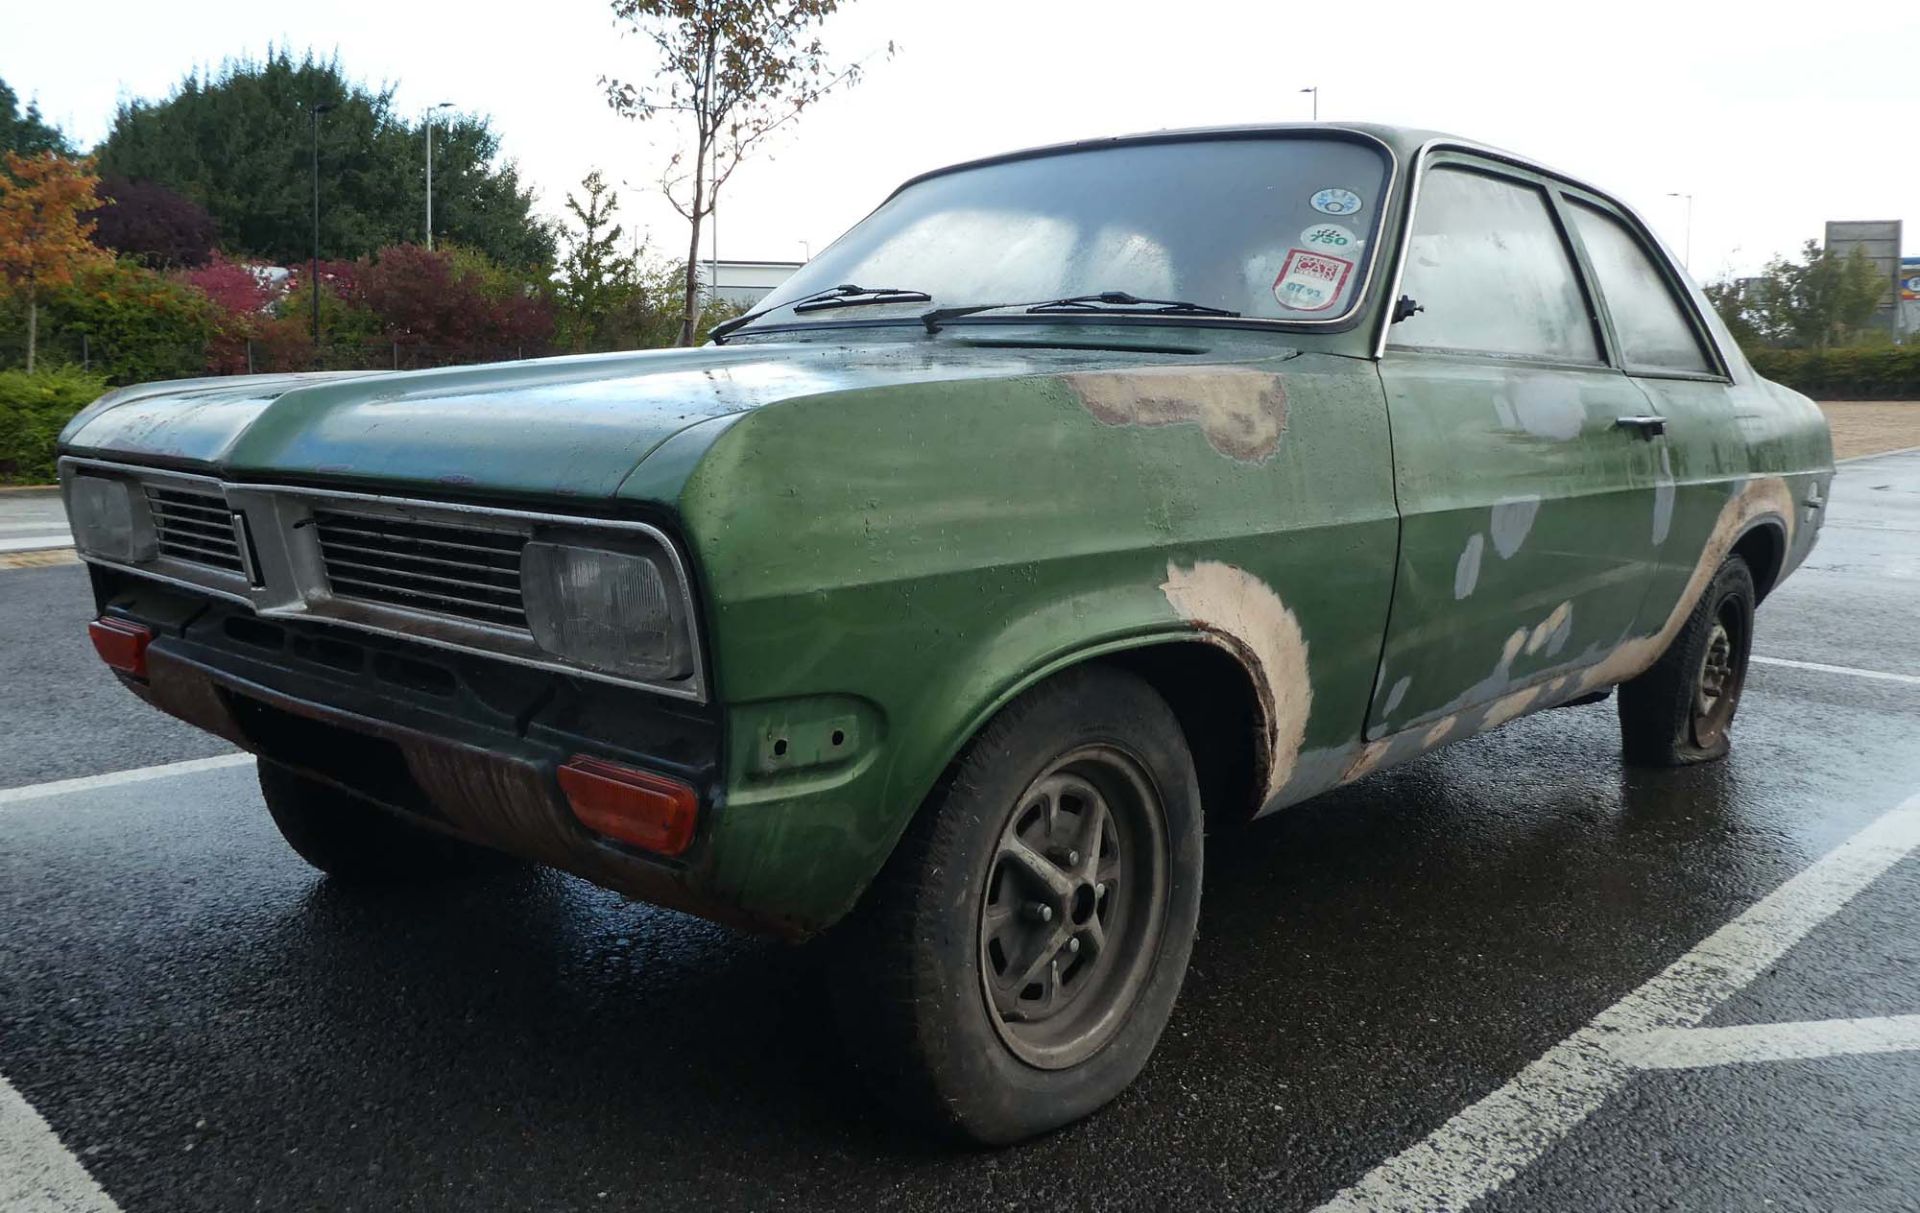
(121, 644)
(648, 810)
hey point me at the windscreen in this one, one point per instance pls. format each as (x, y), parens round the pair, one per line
(1277, 228)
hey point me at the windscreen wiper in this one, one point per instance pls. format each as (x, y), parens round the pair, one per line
(1118, 303)
(846, 294)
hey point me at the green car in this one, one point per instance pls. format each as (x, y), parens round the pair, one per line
(1075, 502)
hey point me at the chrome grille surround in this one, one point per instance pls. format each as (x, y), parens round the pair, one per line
(441, 573)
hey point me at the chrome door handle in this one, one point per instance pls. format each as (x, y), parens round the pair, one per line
(1648, 427)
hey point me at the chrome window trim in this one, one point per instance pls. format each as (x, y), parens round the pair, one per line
(295, 587)
(1449, 144)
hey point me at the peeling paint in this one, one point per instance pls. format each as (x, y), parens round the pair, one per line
(1663, 495)
(1755, 499)
(1554, 629)
(1398, 693)
(1466, 572)
(1242, 412)
(1545, 407)
(1237, 605)
(1511, 523)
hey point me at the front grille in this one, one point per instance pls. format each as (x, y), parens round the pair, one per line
(448, 570)
(194, 527)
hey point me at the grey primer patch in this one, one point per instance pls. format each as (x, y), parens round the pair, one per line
(1398, 693)
(1546, 408)
(1466, 574)
(1512, 520)
(1663, 496)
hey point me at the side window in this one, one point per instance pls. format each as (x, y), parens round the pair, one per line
(1648, 320)
(1489, 265)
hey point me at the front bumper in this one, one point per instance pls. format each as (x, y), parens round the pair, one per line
(455, 743)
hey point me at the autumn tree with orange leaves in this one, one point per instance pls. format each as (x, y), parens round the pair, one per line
(44, 231)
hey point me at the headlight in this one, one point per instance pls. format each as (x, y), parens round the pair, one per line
(612, 611)
(110, 519)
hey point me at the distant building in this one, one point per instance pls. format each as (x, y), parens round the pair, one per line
(743, 283)
(1879, 241)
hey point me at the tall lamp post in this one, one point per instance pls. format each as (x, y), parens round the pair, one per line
(313, 124)
(1686, 254)
(1315, 90)
(430, 112)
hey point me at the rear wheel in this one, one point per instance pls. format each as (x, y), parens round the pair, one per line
(353, 840)
(1681, 710)
(1012, 968)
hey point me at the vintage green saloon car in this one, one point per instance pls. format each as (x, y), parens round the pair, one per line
(1074, 500)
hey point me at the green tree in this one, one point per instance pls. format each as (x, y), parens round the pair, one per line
(732, 71)
(597, 280)
(27, 133)
(238, 142)
(1816, 302)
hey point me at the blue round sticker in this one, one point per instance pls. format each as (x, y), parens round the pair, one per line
(1336, 201)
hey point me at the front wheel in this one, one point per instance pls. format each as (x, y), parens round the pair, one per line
(1681, 710)
(1013, 967)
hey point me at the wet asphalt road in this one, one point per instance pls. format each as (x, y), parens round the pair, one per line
(209, 1025)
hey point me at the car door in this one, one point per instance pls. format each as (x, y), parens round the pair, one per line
(1663, 343)
(1524, 502)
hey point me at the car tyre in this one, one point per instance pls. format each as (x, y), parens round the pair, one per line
(356, 841)
(1014, 964)
(1680, 711)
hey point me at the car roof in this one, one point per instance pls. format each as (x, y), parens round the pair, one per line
(1404, 142)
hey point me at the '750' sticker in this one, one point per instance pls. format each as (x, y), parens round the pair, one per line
(1310, 282)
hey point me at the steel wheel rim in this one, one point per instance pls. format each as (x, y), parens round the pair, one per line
(1073, 907)
(1722, 674)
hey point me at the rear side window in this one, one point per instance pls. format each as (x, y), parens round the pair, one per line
(1488, 264)
(1647, 319)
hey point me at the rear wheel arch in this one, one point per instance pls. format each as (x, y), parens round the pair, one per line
(1764, 547)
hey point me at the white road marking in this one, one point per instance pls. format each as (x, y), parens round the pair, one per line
(1685, 1048)
(1485, 1145)
(87, 783)
(37, 1174)
(1905, 450)
(35, 542)
(1852, 671)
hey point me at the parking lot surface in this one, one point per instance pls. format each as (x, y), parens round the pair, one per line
(1417, 992)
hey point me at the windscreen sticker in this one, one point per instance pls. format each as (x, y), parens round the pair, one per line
(1331, 237)
(1335, 201)
(1310, 282)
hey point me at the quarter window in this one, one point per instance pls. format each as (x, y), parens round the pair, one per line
(1647, 320)
(1489, 266)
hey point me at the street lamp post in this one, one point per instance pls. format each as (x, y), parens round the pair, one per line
(1686, 254)
(1315, 90)
(430, 111)
(313, 124)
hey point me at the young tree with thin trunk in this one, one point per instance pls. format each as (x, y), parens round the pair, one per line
(733, 70)
(44, 234)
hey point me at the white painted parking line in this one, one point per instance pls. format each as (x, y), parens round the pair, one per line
(1905, 450)
(1851, 671)
(35, 542)
(1487, 1144)
(37, 1174)
(1686, 1048)
(88, 783)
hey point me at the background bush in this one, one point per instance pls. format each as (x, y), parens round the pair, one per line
(33, 408)
(1883, 372)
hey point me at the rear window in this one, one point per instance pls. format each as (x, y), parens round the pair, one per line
(1280, 228)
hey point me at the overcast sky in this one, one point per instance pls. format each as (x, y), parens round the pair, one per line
(1775, 117)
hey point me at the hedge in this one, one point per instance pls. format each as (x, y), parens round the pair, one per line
(1883, 372)
(33, 408)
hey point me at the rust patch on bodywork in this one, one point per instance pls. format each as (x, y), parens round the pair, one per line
(1242, 412)
(1234, 604)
